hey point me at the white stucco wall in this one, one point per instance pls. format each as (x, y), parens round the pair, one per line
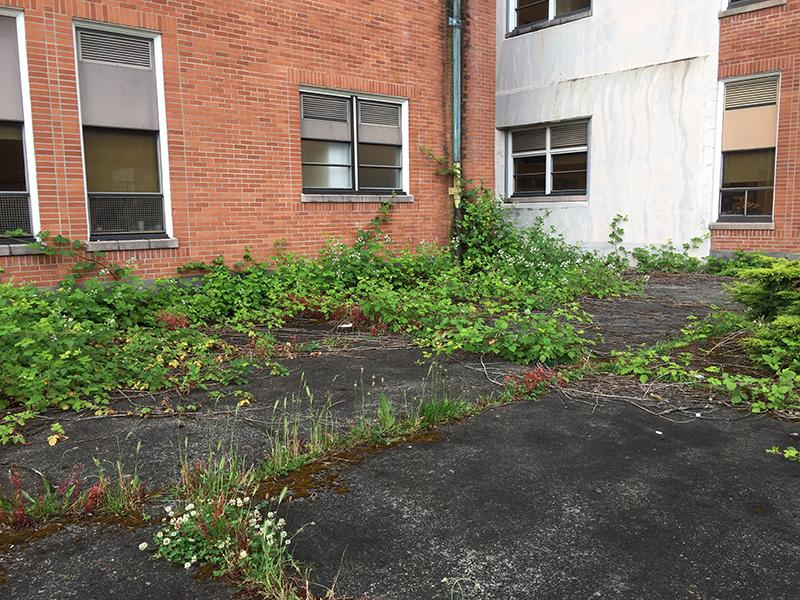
(645, 72)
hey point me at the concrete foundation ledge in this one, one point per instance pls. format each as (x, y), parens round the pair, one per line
(360, 198)
(121, 245)
(20, 249)
(750, 7)
(732, 253)
(722, 226)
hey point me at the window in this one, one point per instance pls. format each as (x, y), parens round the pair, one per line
(749, 133)
(15, 202)
(351, 144)
(121, 137)
(531, 13)
(550, 160)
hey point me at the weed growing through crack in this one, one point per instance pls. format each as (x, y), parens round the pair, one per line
(790, 453)
(219, 524)
(117, 494)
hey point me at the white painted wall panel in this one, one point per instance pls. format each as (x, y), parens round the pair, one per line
(645, 72)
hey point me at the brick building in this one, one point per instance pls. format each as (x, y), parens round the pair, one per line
(172, 131)
(759, 70)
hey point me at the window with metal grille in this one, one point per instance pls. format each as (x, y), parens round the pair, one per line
(15, 200)
(749, 139)
(529, 14)
(351, 144)
(550, 160)
(121, 138)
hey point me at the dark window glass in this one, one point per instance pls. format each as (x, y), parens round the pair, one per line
(748, 179)
(532, 11)
(372, 155)
(326, 153)
(530, 174)
(569, 172)
(733, 202)
(564, 7)
(759, 203)
(379, 178)
(12, 158)
(749, 168)
(327, 165)
(121, 160)
(327, 178)
(379, 167)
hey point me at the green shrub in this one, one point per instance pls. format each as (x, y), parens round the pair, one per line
(770, 290)
(498, 289)
(668, 259)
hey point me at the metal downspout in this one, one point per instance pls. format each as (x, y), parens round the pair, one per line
(455, 24)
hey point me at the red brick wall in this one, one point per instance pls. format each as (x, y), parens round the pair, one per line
(758, 42)
(232, 71)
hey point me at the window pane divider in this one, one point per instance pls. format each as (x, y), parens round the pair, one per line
(354, 135)
(569, 150)
(548, 179)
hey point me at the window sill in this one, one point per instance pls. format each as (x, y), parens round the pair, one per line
(725, 226)
(18, 249)
(577, 16)
(357, 198)
(115, 245)
(752, 7)
(525, 201)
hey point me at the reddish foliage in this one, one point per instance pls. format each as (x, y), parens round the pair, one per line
(72, 481)
(361, 321)
(172, 321)
(530, 382)
(93, 497)
(18, 517)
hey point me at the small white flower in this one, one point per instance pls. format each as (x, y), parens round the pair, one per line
(166, 541)
(160, 534)
(187, 565)
(239, 502)
(174, 533)
(193, 513)
(143, 546)
(287, 542)
(189, 507)
(247, 499)
(271, 515)
(243, 554)
(194, 559)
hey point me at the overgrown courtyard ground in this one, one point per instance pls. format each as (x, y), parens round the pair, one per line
(607, 486)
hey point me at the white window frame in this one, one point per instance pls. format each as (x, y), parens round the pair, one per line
(27, 118)
(716, 213)
(163, 142)
(404, 130)
(548, 152)
(511, 12)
